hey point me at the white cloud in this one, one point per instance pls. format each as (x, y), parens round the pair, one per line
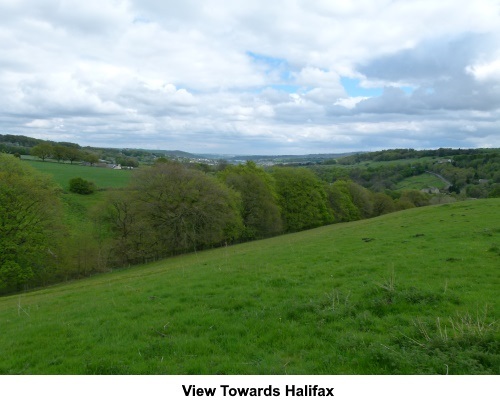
(246, 76)
(350, 102)
(489, 71)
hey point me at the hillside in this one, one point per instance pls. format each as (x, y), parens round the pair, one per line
(413, 292)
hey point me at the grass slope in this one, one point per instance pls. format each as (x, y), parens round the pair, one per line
(419, 182)
(414, 292)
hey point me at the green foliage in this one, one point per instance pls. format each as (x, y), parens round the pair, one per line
(476, 191)
(13, 276)
(62, 152)
(81, 186)
(495, 192)
(341, 202)
(260, 211)
(127, 161)
(170, 209)
(43, 150)
(382, 204)
(413, 198)
(72, 154)
(362, 198)
(162, 160)
(302, 199)
(89, 157)
(351, 202)
(29, 225)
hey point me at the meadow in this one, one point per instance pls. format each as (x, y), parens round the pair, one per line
(61, 173)
(412, 292)
(77, 206)
(419, 182)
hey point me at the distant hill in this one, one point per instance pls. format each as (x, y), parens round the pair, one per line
(283, 158)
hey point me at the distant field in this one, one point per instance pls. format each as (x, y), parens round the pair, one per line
(102, 177)
(419, 182)
(77, 207)
(413, 292)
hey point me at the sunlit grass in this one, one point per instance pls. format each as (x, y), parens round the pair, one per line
(419, 182)
(356, 298)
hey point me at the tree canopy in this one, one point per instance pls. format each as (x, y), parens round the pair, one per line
(302, 198)
(29, 224)
(173, 209)
(260, 210)
(43, 150)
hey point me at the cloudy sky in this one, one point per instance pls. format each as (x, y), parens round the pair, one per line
(260, 76)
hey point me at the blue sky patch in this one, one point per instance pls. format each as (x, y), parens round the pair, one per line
(289, 88)
(353, 88)
(268, 60)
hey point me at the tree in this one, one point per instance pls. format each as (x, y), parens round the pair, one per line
(413, 198)
(362, 198)
(260, 210)
(495, 191)
(90, 158)
(73, 154)
(59, 152)
(43, 150)
(29, 225)
(302, 199)
(170, 209)
(127, 161)
(340, 201)
(128, 223)
(80, 186)
(382, 204)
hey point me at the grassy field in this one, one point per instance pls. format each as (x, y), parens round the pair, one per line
(103, 178)
(414, 292)
(419, 182)
(77, 207)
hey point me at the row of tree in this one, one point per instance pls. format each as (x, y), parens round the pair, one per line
(167, 209)
(171, 208)
(46, 150)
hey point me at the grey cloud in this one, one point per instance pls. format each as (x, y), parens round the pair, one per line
(438, 71)
(428, 61)
(176, 75)
(458, 93)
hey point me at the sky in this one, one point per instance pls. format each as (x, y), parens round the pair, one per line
(252, 77)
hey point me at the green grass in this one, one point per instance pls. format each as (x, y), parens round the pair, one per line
(103, 178)
(414, 292)
(76, 206)
(419, 182)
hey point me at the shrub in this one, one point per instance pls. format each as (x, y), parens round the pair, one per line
(81, 186)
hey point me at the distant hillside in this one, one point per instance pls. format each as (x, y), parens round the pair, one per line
(12, 143)
(278, 158)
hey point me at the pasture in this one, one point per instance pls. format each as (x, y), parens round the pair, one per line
(103, 178)
(413, 292)
(419, 182)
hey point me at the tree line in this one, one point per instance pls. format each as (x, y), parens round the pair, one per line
(18, 145)
(172, 208)
(168, 209)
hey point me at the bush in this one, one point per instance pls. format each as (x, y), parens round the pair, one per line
(81, 186)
